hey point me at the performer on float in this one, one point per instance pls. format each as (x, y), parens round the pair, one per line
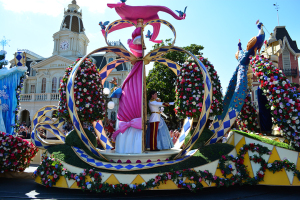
(165, 141)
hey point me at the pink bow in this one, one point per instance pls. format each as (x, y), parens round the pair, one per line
(123, 126)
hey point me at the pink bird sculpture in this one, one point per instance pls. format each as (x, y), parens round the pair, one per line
(147, 13)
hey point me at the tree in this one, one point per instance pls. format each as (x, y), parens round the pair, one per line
(3, 62)
(162, 79)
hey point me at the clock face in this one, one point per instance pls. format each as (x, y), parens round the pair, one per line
(64, 45)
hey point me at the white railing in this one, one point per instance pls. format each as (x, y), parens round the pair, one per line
(55, 96)
(40, 97)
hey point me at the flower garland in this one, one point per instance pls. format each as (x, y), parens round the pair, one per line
(51, 168)
(247, 119)
(15, 153)
(283, 99)
(87, 93)
(190, 90)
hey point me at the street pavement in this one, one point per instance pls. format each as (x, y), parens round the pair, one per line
(27, 189)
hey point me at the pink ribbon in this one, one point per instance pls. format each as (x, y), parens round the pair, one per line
(123, 126)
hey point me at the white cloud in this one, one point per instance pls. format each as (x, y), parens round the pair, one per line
(53, 7)
(93, 36)
(94, 6)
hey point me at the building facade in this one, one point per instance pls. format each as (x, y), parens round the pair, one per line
(44, 74)
(284, 53)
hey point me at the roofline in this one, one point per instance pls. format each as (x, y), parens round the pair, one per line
(285, 41)
(46, 61)
(32, 53)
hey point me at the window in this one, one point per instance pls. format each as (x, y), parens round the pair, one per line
(54, 85)
(106, 84)
(43, 90)
(33, 72)
(32, 89)
(110, 59)
(255, 94)
(286, 59)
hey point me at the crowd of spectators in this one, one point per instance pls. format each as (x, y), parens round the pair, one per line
(174, 135)
(24, 131)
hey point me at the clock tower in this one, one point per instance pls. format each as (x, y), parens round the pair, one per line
(70, 40)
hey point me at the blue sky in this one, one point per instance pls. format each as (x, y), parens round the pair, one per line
(215, 24)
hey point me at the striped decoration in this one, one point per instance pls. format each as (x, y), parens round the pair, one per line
(40, 121)
(20, 59)
(205, 109)
(157, 53)
(233, 103)
(127, 56)
(126, 166)
(115, 23)
(169, 63)
(165, 23)
(187, 125)
(102, 137)
(105, 71)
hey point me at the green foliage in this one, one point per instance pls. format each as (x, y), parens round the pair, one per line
(162, 79)
(265, 140)
(73, 139)
(59, 155)
(206, 134)
(66, 154)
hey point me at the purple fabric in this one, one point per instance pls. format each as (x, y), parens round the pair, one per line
(135, 123)
(131, 100)
(147, 13)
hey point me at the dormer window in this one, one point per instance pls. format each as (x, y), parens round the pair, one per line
(110, 59)
(33, 72)
(286, 59)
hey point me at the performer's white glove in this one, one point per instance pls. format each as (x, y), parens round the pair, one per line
(162, 109)
(171, 103)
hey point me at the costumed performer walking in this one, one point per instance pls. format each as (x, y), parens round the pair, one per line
(165, 141)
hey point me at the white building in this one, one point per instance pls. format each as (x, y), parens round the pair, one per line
(44, 74)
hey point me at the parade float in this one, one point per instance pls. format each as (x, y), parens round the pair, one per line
(15, 153)
(77, 163)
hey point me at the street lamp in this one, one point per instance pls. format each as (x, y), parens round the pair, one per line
(109, 104)
(106, 91)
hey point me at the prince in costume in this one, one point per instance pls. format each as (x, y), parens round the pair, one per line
(154, 105)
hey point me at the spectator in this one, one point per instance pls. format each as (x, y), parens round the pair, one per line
(23, 133)
(42, 133)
